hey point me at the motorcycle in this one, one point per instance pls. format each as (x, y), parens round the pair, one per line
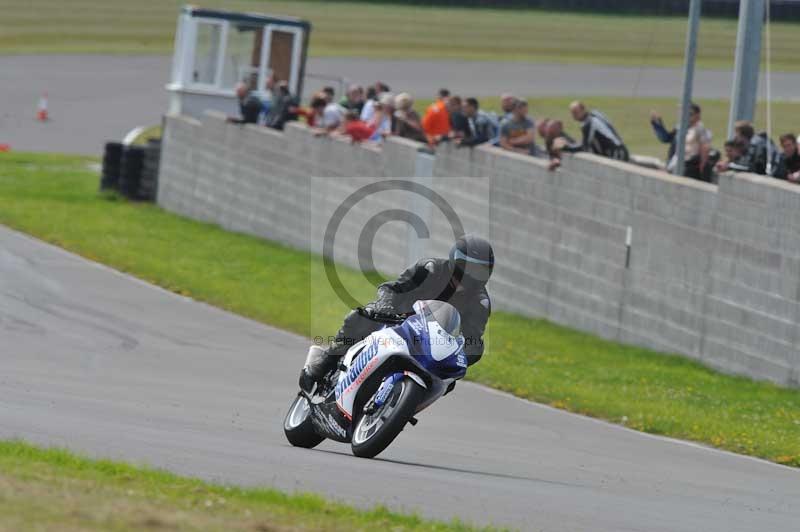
(382, 382)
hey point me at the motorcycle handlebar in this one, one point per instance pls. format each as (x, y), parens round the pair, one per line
(382, 316)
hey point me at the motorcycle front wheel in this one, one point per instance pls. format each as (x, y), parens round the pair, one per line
(375, 430)
(297, 426)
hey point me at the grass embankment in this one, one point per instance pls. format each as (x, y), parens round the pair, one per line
(52, 489)
(393, 31)
(55, 198)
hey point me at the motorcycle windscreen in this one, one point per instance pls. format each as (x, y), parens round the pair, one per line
(439, 352)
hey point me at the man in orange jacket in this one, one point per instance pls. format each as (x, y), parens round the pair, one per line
(436, 121)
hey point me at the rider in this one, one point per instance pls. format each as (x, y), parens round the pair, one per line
(459, 280)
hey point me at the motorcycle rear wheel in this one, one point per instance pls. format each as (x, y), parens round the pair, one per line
(298, 427)
(374, 432)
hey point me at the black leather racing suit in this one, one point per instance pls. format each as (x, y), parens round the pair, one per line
(427, 279)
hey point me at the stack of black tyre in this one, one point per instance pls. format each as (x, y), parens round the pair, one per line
(130, 174)
(132, 170)
(148, 184)
(112, 159)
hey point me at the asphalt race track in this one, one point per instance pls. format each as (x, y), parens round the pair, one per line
(108, 365)
(96, 98)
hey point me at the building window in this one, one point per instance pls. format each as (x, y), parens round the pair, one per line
(206, 53)
(242, 56)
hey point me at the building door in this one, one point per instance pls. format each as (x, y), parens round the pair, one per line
(282, 54)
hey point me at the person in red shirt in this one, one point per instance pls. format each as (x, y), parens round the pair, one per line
(357, 129)
(436, 121)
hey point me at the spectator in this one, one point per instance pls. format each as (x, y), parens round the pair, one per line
(737, 158)
(697, 148)
(479, 128)
(355, 128)
(354, 99)
(373, 93)
(332, 116)
(599, 135)
(555, 140)
(517, 133)
(762, 152)
(407, 122)
(660, 130)
(249, 105)
(744, 132)
(458, 122)
(382, 117)
(329, 93)
(313, 114)
(789, 162)
(507, 102)
(436, 121)
(280, 110)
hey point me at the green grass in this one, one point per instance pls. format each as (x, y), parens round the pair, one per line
(150, 132)
(55, 198)
(392, 31)
(54, 489)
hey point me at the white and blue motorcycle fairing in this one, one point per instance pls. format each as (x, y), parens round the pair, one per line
(437, 356)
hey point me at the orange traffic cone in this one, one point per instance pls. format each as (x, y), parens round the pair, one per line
(41, 113)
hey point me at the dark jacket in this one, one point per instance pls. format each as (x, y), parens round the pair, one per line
(667, 137)
(430, 279)
(280, 110)
(458, 121)
(479, 129)
(600, 137)
(744, 163)
(764, 155)
(250, 108)
(787, 165)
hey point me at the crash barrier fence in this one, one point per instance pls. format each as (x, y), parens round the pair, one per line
(631, 254)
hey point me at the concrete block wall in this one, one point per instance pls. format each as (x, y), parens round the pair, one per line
(713, 272)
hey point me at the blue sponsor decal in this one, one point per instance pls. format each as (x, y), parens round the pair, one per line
(361, 361)
(386, 388)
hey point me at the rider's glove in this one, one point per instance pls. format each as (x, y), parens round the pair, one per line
(385, 302)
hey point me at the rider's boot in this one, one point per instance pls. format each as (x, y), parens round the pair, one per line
(319, 363)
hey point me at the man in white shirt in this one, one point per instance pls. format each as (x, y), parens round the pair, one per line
(332, 117)
(697, 147)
